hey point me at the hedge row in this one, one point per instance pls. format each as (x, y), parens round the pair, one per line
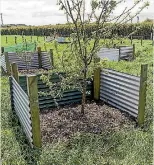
(65, 30)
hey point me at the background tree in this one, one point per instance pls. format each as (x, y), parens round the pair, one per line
(78, 59)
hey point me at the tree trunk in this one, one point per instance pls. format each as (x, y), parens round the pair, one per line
(84, 92)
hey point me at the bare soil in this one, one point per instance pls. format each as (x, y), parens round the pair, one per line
(63, 123)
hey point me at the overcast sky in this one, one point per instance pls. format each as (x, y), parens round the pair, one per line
(43, 12)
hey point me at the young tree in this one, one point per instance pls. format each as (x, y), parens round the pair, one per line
(79, 57)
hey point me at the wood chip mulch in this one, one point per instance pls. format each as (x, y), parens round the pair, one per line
(63, 123)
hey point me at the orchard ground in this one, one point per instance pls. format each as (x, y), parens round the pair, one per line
(131, 146)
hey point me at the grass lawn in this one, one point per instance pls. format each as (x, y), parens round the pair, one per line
(131, 146)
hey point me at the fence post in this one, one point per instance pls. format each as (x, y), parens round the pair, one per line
(34, 108)
(39, 57)
(119, 52)
(22, 38)
(133, 51)
(104, 39)
(2, 50)
(51, 58)
(15, 40)
(141, 40)
(142, 94)
(14, 69)
(6, 40)
(131, 40)
(8, 68)
(45, 47)
(112, 41)
(114, 46)
(97, 83)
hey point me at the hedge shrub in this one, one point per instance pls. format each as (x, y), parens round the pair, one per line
(65, 30)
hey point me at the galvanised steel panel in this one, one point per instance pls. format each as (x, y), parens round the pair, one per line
(23, 101)
(121, 74)
(13, 57)
(25, 109)
(70, 96)
(111, 54)
(20, 90)
(121, 79)
(21, 106)
(52, 105)
(118, 103)
(120, 87)
(126, 52)
(46, 60)
(112, 80)
(120, 98)
(26, 130)
(25, 122)
(121, 107)
(120, 90)
(126, 48)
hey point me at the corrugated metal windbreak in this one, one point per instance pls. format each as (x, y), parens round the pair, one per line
(13, 57)
(46, 63)
(126, 52)
(20, 103)
(34, 64)
(109, 53)
(120, 90)
(3, 63)
(70, 96)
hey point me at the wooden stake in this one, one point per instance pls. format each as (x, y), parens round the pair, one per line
(15, 40)
(133, 51)
(141, 40)
(51, 58)
(2, 50)
(131, 40)
(45, 47)
(97, 84)
(39, 57)
(14, 69)
(119, 53)
(8, 68)
(34, 109)
(142, 94)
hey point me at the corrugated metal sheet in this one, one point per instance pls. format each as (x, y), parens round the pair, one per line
(46, 64)
(120, 90)
(69, 96)
(126, 52)
(109, 53)
(33, 64)
(20, 102)
(113, 54)
(13, 57)
(3, 63)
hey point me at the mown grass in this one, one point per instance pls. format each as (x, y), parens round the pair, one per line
(126, 147)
